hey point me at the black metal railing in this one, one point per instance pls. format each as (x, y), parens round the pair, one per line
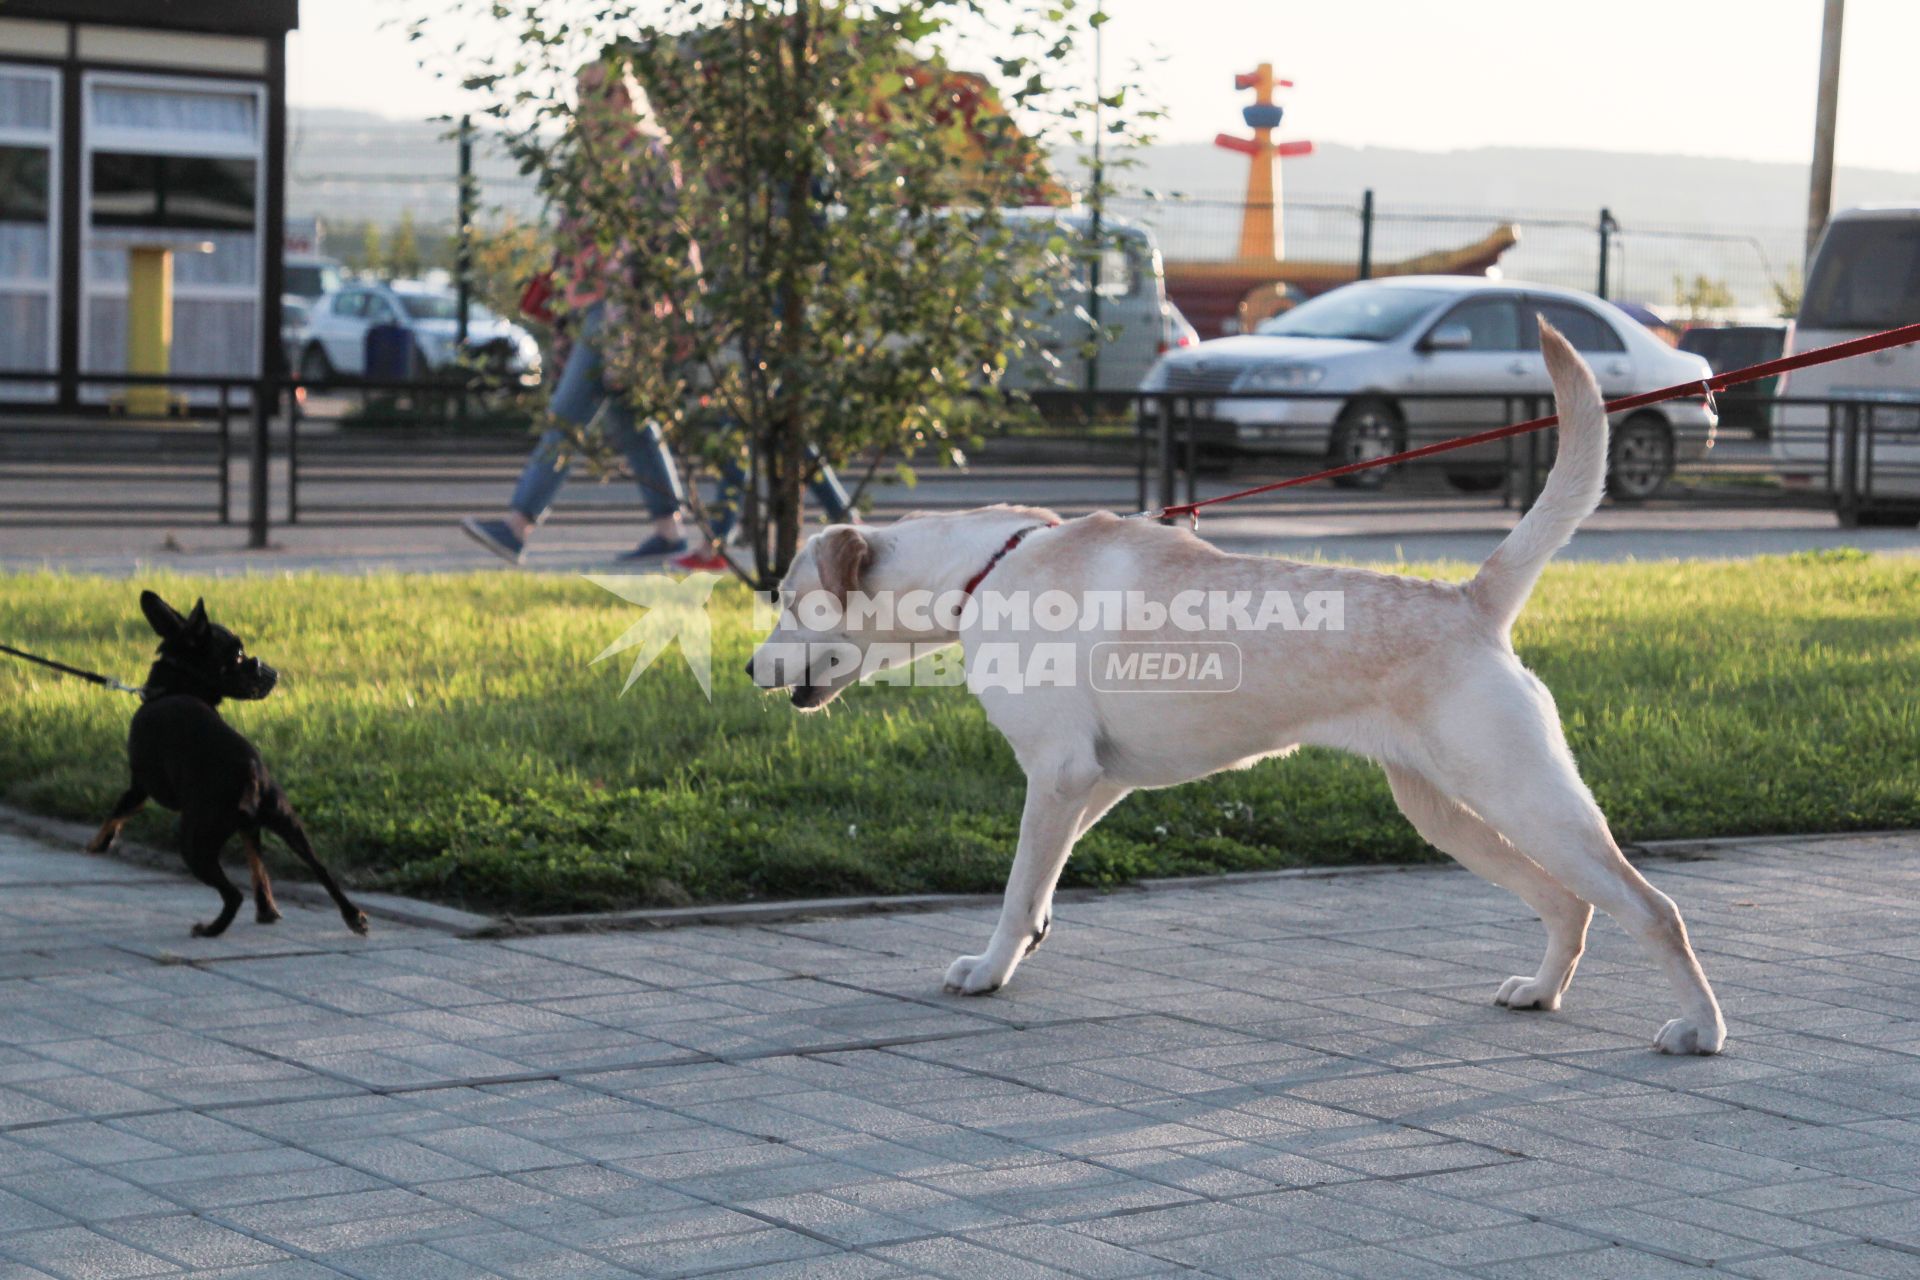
(1857, 456)
(192, 445)
(1854, 454)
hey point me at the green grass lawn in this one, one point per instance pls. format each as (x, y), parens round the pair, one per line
(446, 736)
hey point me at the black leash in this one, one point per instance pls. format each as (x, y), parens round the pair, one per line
(92, 677)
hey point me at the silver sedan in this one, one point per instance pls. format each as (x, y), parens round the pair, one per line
(1354, 365)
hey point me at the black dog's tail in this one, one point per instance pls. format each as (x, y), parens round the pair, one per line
(278, 817)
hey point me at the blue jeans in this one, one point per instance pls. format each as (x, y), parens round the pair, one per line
(581, 392)
(825, 487)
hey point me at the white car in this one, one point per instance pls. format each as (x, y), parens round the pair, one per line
(1367, 352)
(310, 276)
(1132, 306)
(1865, 277)
(335, 342)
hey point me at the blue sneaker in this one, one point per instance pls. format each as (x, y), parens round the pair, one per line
(655, 548)
(496, 536)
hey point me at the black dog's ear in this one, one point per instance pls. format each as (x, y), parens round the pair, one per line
(197, 623)
(161, 616)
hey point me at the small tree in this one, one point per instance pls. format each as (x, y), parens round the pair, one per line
(1788, 293)
(1701, 297)
(403, 252)
(371, 255)
(815, 245)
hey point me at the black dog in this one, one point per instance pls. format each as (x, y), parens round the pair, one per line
(187, 758)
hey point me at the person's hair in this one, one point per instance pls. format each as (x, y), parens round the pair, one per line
(615, 63)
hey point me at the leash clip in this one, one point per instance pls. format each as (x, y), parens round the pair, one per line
(1166, 515)
(1706, 393)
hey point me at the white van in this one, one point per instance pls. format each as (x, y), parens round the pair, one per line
(1133, 301)
(1864, 278)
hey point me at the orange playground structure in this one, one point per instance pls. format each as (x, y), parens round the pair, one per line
(1253, 283)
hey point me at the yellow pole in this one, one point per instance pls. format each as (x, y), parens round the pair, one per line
(149, 326)
(1259, 221)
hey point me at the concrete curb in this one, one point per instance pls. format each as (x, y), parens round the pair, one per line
(381, 906)
(468, 924)
(821, 908)
(747, 913)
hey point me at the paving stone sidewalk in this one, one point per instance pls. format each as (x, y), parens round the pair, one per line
(1288, 1078)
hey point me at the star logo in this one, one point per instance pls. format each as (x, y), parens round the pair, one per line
(676, 612)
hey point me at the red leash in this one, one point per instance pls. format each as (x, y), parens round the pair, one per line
(1706, 386)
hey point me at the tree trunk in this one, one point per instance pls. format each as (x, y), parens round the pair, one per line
(786, 474)
(787, 458)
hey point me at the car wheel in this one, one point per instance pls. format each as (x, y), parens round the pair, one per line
(1880, 518)
(1640, 458)
(1366, 429)
(314, 365)
(1475, 481)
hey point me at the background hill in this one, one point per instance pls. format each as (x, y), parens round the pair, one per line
(1655, 189)
(1734, 223)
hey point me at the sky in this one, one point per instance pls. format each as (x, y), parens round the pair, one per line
(1732, 78)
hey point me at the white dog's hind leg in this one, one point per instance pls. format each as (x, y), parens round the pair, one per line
(1575, 846)
(1105, 796)
(1510, 764)
(1058, 811)
(1456, 831)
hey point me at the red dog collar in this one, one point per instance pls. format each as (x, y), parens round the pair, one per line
(998, 556)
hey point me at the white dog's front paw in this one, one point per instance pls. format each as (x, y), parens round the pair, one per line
(1685, 1036)
(976, 976)
(1521, 992)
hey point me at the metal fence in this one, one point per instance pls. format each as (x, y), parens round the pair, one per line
(1857, 457)
(94, 470)
(1691, 272)
(237, 449)
(411, 467)
(257, 454)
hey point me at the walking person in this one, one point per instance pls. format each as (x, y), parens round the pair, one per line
(611, 106)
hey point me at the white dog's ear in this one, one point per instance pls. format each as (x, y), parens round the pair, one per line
(843, 555)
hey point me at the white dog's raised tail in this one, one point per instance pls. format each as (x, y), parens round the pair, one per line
(1571, 492)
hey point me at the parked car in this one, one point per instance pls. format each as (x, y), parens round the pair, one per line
(335, 343)
(309, 276)
(1735, 346)
(1865, 277)
(1176, 330)
(1369, 350)
(1133, 302)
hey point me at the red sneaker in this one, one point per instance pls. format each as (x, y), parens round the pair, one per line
(708, 561)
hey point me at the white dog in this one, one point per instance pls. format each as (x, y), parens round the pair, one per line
(1416, 674)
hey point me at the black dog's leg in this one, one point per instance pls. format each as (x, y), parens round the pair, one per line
(265, 909)
(125, 807)
(201, 843)
(278, 817)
